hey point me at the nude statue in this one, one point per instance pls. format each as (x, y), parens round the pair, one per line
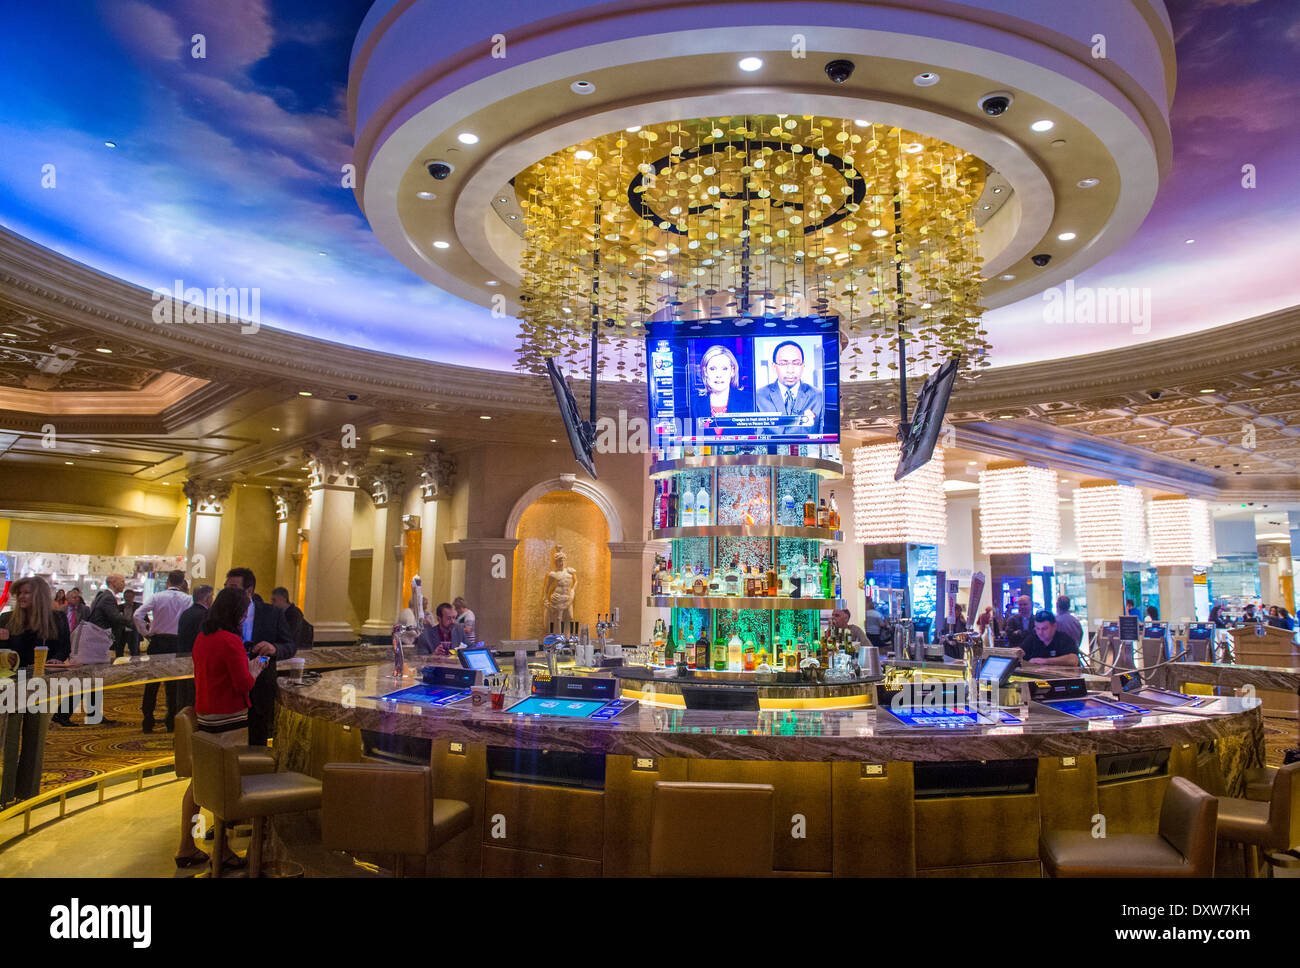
(558, 591)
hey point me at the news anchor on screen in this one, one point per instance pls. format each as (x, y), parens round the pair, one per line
(788, 394)
(720, 394)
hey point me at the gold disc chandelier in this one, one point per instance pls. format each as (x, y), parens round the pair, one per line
(761, 216)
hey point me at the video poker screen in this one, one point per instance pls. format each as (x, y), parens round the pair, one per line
(425, 695)
(1088, 709)
(745, 381)
(573, 708)
(955, 718)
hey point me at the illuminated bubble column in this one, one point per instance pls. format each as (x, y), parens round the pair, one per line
(913, 510)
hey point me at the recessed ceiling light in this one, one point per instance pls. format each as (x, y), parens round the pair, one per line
(1066, 236)
(513, 217)
(68, 462)
(484, 416)
(750, 64)
(972, 462)
(634, 129)
(582, 87)
(583, 155)
(433, 440)
(987, 207)
(997, 190)
(1088, 182)
(1188, 241)
(1007, 275)
(502, 200)
(102, 349)
(276, 429)
(380, 449)
(926, 79)
(492, 282)
(110, 144)
(467, 138)
(304, 393)
(1209, 390)
(1140, 436)
(1043, 125)
(553, 440)
(440, 244)
(1004, 416)
(862, 124)
(427, 196)
(94, 450)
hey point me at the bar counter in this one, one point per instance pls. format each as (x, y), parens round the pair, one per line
(857, 792)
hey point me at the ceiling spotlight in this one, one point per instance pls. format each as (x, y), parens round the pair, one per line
(102, 349)
(1043, 125)
(1007, 276)
(492, 282)
(110, 144)
(1088, 182)
(583, 155)
(304, 393)
(1005, 416)
(926, 79)
(68, 462)
(987, 207)
(862, 124)
(94, 450)
(433, 440)
(1188, 241)
(1066, 236)
(427, 196)
(553, 440)
(502, 200)
(634, 129)
(484, 416)
(582, 87)
(514, 218)
(440, 244)
(276, 429)
(997, 190)
(467, 138)
(1209, 390)
(750, 64)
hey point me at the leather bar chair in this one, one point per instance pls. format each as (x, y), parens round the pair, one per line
(232, 796)
(1184, 847)
(251, 759)
(1271, 825)
(387, 808)
(712, 830)
(1259, 782)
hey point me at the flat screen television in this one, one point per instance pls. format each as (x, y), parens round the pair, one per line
(744, 381)
(581, 434)
(920, 435)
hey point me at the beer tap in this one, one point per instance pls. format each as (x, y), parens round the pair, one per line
(603, 628)
(403, 635)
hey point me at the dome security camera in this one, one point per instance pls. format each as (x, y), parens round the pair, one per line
(1155, 394)
(839, 71)
(996, 104)
(1041, 259)
(439, 169)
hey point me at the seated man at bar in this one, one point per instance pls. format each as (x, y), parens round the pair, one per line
(1048, 645)
(853, 633)
(441, 638)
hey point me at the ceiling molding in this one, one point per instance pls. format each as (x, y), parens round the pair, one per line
(163, 391)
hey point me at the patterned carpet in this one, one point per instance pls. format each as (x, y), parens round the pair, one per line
(82, 752)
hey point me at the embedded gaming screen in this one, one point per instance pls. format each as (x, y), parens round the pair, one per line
(744, 381)
(539, 706)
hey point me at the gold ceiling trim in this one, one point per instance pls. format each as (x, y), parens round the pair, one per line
(163, 391)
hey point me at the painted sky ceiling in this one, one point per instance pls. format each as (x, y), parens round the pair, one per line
(227, 173)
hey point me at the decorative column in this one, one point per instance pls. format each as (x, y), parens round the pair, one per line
(1110, 529)
(436, 472)
(207, 505)
(387, 484)
(333, 486)
(288, 516)
(630, 563)
(489, 583)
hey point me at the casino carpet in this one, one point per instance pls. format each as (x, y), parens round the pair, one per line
(82, 752)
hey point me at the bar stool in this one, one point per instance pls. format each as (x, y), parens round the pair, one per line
(1271, 825)
(252, 759)
(387, 808)
(220, 786)
(1184, 847)
(712, 830)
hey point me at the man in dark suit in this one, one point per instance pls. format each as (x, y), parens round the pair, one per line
(299, 627)
(788, 394)
(265, 633)
(187, 630)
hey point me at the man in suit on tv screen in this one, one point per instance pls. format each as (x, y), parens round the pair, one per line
(788, 394)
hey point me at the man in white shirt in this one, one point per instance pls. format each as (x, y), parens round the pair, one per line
(157, 618)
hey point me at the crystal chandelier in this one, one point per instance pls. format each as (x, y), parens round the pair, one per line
(763, 217)
(1018, 511)
(1182, 532)
(1109, 522)
(913, 510)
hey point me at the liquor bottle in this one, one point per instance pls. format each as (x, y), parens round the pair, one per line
(809, 514)
(783, 583)
(823, 515)
(749, 662)
(771, 586)
(762, 649)
(721, 648)
(702, 508)
(670, 647)
(735, 653)
(713, 580)
(702, 650)
(698, 586)
(674, 502)
(835, 514)
(835, 572)
(688, 509)
(732, 580)
(749, 582)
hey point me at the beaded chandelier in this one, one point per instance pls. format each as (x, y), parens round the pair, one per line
(1110, 522)
(1182, 532)
(913, 510)
(1018, 511)
(762, 217)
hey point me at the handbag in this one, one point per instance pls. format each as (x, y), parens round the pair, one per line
(90, 643)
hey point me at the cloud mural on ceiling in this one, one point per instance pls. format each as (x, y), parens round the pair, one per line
(227, 172)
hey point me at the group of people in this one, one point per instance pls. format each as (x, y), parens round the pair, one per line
(1043, 637)
(447, 627)
(1276, 616)
(175, 623)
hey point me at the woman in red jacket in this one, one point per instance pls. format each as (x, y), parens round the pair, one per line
(222, 680)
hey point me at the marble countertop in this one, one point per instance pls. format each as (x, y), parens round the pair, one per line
(1230, 675)
(349, 697)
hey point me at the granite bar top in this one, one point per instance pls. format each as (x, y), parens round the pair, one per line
(137, 670)
(1228, 676)
(349, 697)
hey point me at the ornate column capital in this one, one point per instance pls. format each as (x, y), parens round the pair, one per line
(437, 471)
(207, 495)
(386, 483)
(288, 502)
(329, 463)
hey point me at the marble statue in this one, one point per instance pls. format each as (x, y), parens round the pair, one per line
(558, 591)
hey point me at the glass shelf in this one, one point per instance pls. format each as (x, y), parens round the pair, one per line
(747, 531)
(817, 465)
(722, 601)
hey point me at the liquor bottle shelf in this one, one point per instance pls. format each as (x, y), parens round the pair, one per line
(819, 466)
(722, 601)
(746, 531)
